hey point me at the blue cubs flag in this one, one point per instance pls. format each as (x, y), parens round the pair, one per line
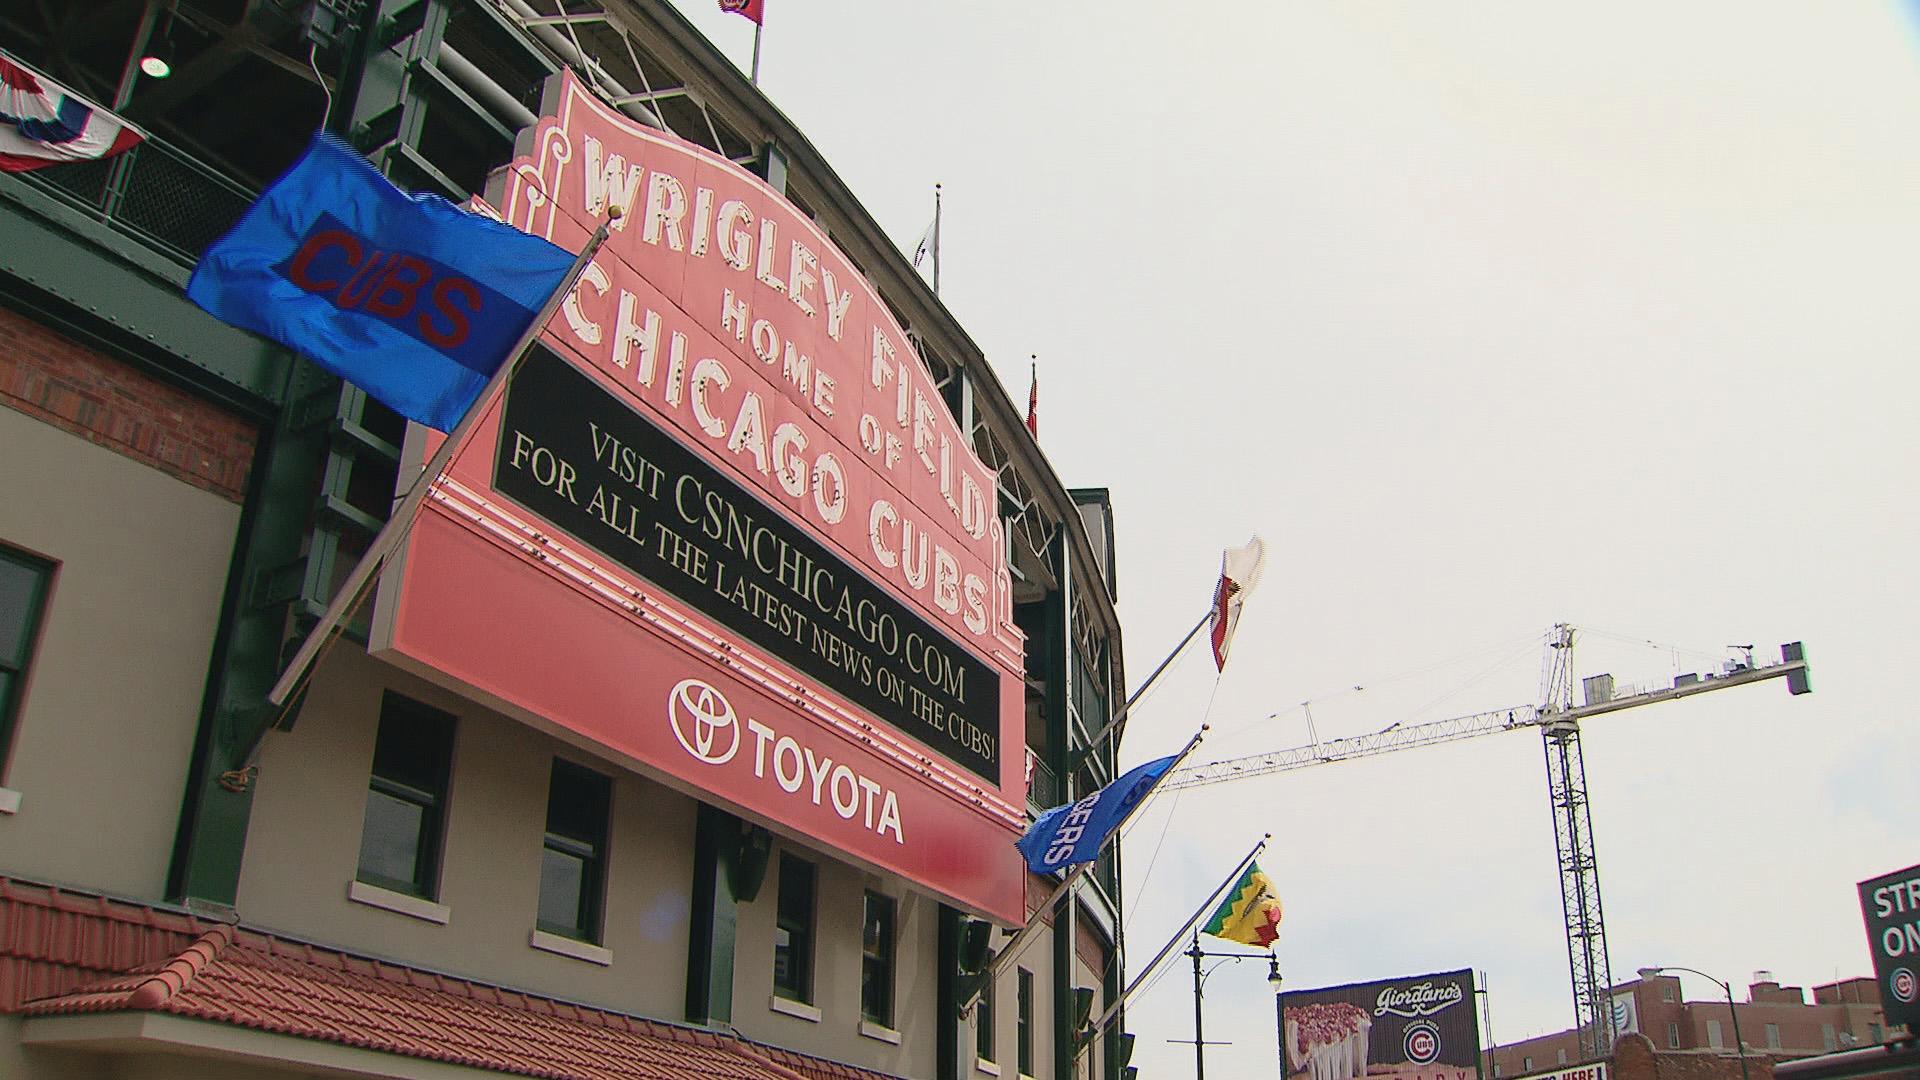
(409, 297)
(1075, 833)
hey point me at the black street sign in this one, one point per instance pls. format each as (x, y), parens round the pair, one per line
(1891, 906)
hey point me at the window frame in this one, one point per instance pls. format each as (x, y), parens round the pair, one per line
(1715, 1039)
(877, 967)
(1023, 1024)
(1773, 1036)
(33, 626)
(986, 1042)
(430, 844)
(1673, 1035)
(590, 852)
(798, 926)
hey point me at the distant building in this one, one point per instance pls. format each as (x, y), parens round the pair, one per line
(1775, 1021)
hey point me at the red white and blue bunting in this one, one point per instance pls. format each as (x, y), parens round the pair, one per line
(42, 123)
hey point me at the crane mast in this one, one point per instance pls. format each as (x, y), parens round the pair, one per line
(1558, 719)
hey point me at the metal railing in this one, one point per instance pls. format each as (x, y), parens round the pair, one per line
(155, 193)
(1043, 787)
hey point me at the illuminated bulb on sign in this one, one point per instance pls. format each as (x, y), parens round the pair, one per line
(155, 67)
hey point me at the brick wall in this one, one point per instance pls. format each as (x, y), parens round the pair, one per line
(1634, 1058)
(56, 380)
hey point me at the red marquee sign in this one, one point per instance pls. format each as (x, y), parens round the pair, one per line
(724, 528)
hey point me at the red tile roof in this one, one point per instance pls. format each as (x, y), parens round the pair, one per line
(63, 953)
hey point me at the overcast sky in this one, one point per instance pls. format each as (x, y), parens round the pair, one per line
(1486, 316)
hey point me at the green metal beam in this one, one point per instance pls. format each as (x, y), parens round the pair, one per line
(133, 292)
(729, 865)
(246, 659)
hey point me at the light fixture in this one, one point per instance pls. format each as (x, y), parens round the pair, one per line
(157, 61)
(1273, 971)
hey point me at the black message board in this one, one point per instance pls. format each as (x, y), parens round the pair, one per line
(574, 453)
(1421, 1025)
(1891, 907)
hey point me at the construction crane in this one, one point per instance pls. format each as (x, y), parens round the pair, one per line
(1559, 722)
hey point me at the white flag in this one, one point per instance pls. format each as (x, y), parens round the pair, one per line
(1239, 573)
(929, 244)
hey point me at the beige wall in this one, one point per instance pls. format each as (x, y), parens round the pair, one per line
(303, 850)
(102, 746)
(840, 906)
(1037, 957)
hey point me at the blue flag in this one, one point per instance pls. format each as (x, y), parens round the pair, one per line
(1074, 833)
(409, 297)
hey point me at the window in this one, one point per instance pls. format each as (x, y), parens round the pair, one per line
(1023, 1030)
(876, 960)
(1874, 1034)
(573, 864)
(406, 798)
(1773, 1036)
(1526, 1064)
(983, 1041)
(23, 596)
(1673, 1036)
(1563, 1057)
(1666, 991)
(793, 931)
(1497, 1068)
(1713, 1035)
(1827, 1037)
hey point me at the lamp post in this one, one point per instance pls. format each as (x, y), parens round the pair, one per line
(1739, 1044)
(1279, 1007)
(1199, 981)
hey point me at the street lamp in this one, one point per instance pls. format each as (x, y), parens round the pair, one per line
(1739, 1044)
(1199, 980)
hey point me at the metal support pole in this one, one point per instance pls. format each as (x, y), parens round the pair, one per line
(1280, 1017)
(1739, 1044)
(1012, 949)
(1119, 721)
(1153, 965)
(402, 516)
(1199, 1032)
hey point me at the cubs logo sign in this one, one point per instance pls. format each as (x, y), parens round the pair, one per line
(1421, 1043)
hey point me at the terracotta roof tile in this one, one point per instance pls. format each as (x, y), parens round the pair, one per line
(63, 953)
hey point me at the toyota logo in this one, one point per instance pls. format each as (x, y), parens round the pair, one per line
(702, 719)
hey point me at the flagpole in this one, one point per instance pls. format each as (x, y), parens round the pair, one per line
(398, 521)
(759, 27)
(936, 239)
(1120, 718)
(1012, 949)
(1160, 957)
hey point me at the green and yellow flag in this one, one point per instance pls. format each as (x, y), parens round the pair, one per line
(1250, 914)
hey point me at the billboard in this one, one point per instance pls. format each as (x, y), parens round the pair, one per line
(1422, 1027)
(1891, 906)
(723, 527)
(1594, 1071)
(1626, 1014)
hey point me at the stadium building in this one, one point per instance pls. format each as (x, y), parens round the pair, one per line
(546, 807)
